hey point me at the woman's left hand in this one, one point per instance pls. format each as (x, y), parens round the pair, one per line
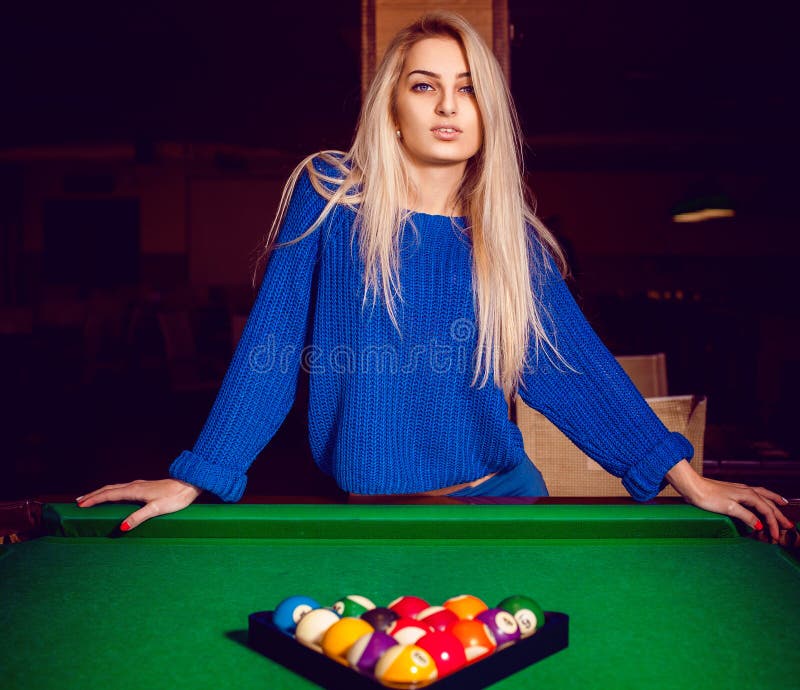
(730, 499)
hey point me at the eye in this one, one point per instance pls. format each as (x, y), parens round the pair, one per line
(468, 90)
(422, 86)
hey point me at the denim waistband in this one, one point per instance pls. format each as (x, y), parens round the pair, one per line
(522, 480)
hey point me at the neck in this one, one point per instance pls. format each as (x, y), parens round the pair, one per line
(434, 188)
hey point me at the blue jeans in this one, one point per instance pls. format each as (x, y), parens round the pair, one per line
(522, 480)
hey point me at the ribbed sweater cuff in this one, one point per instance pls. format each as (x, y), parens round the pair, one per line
(223, 481)
(645, 479)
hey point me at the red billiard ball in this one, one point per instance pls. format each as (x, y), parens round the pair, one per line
(408, 606)
(438, 617)
(446, 649)
(408, 630)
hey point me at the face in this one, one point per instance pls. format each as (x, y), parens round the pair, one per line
(435, 107)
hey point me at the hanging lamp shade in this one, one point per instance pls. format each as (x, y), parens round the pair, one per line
(699, 208)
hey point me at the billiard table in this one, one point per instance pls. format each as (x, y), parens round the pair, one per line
(658, 596)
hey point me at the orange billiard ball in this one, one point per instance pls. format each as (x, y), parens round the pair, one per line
(342, 635)
(465, 606)
(476, 638)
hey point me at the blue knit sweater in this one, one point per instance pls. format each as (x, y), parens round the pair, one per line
(392, 414)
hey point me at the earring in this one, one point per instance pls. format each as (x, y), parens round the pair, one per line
(399, 134)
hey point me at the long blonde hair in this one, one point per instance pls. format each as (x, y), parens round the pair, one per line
(373, 180)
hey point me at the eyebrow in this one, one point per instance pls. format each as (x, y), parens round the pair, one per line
(434, 75)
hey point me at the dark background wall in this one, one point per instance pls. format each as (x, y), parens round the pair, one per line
(164, 120)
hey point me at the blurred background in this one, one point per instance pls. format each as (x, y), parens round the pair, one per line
(143, 148)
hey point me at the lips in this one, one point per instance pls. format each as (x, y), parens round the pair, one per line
(446, 133)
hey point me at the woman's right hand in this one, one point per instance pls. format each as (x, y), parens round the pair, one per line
(160, 497)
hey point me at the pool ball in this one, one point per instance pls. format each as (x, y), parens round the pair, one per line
(380, 618)
(313, 626)
(352, 605)
(408, 607)
(476, 638)
(338, 639)
(406, 666)
(288, 613)
(367, 649)
(465, 606)
(446, 649)
(527, 612)
(503, 626)
(408, 630)
(437, 617)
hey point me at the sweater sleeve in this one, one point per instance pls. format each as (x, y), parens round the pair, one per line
(592, 400)
(260, 384)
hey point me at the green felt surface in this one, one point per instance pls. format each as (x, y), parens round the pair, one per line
(171, 612)
(416, 522)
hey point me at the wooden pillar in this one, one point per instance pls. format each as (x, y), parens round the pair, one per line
(381, 19)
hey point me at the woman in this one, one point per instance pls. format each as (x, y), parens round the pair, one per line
(416, 285)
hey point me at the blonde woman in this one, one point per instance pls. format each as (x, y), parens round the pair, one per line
(413, 281)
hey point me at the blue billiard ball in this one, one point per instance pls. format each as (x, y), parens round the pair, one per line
(288, 613)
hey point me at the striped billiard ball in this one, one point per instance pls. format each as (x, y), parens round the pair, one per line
(368, 649)
(408, 606)
(476, 638)
(353, 605)
(527, 612)
(406, 666)
(503, 625)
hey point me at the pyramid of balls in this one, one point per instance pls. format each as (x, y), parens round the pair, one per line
(408, 643)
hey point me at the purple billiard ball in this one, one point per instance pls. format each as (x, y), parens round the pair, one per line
(502, 624)
(380, 618)
(367, 649)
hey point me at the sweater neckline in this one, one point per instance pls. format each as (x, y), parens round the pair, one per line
(433, 217)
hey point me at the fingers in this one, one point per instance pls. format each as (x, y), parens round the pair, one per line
(142, 515)
(765, 507)
(91, 498)
(771, 495)
(131, 491)
(159, 496)
(736, 500)
(737, 510)
(779, 500)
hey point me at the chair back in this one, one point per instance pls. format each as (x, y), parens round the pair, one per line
(648, 373)
(568, 471)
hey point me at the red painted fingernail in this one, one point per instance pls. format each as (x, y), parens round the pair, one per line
(758, 525)
(125, 526)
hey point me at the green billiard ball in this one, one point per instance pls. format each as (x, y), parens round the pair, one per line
(527, 612)
(352, 606)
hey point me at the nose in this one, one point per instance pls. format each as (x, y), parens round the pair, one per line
(446, 105)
